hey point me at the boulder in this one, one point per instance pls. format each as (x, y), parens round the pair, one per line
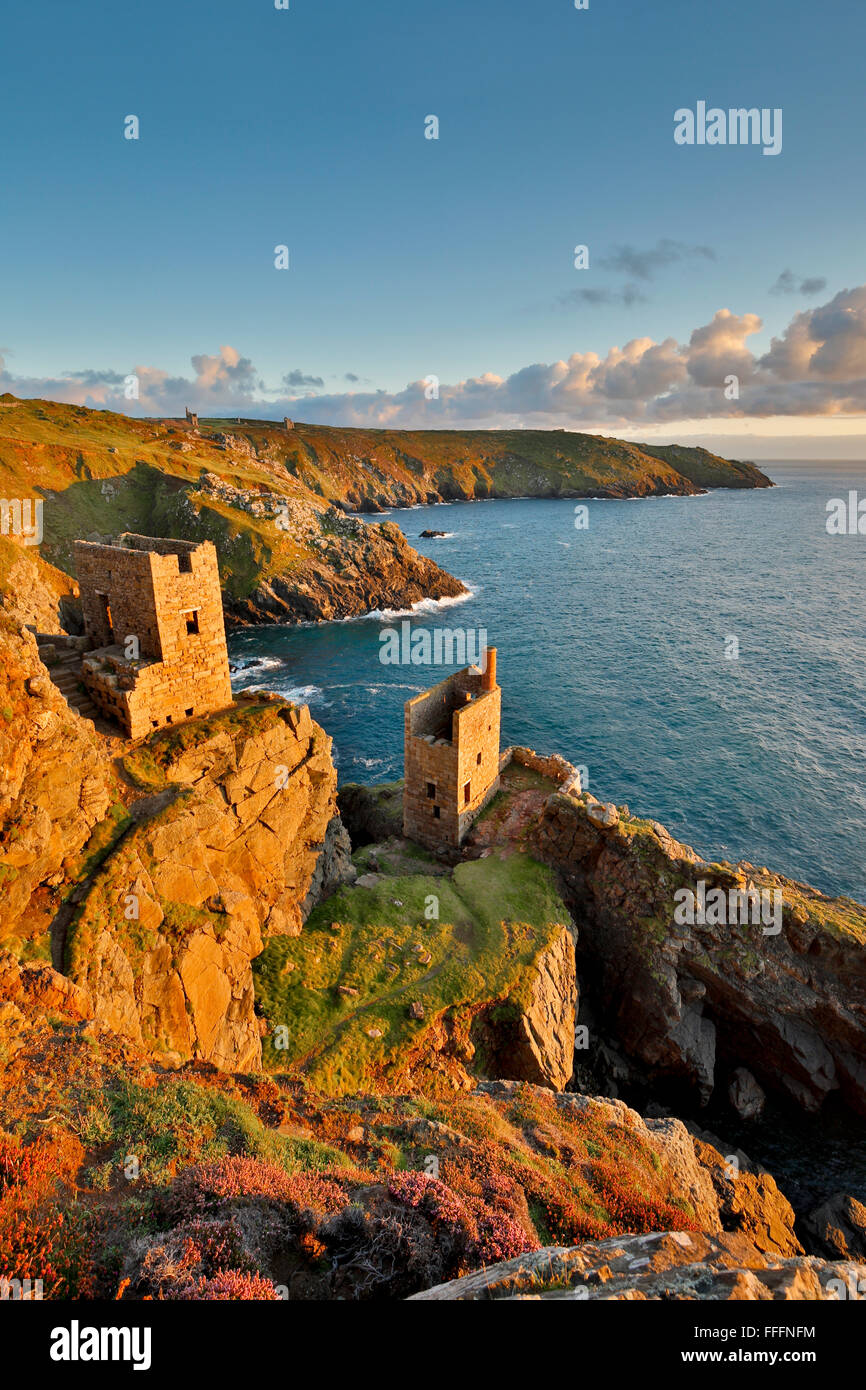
(745, 1095)
(838, 1227)
(697, 1266)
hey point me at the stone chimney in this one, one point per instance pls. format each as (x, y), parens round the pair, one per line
(488, 678)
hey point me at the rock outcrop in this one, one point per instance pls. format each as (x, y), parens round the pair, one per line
(749, 1201)
(721, 1194)
(838, 1227)
(34, 592)
(166, 935)
(693, 1265)
(538, 1044)
(345, 568)
(783, 995)
(333, 868)
(30, 994)
(55, 784)
(371, 814)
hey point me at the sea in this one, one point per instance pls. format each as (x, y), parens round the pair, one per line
(702, 659)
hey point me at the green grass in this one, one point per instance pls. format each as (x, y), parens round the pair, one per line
(103, 839)
(495, 917)
(178, 1122)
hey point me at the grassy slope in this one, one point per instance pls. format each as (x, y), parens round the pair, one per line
(101, 473)
(706, 469)
(495, 917)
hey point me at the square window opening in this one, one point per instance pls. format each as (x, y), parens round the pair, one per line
(184, 564)
(192, 623)
(467, 793)
(431, 791)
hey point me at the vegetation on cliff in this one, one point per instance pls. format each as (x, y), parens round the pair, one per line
(160, 1184)
(391, 981)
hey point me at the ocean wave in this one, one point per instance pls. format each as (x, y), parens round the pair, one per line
(353, 685)
(257, 663)
(424, 605)
(296, 694)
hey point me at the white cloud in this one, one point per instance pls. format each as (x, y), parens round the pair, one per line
(817, 366)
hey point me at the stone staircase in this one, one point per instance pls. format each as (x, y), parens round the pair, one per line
(62, 655)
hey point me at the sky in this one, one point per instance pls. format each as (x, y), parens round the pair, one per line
(432, 282)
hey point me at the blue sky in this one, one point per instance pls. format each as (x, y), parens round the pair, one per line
(412, 257)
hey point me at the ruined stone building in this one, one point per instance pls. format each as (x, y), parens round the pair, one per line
(451, 755)
(153, 612)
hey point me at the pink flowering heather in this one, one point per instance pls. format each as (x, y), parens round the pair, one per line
(209, 1186)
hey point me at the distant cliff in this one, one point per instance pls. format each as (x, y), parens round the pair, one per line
(274, 500)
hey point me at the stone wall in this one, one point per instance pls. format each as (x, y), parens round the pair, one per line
(451, 749)
(166, 594)
(557, 768)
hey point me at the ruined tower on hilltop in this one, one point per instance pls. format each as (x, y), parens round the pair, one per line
(451, 755)
(153, 610)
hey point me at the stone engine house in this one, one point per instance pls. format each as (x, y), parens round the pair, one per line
(153, 611)
(451, 755)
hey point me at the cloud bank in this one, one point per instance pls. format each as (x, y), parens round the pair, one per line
(815, 367)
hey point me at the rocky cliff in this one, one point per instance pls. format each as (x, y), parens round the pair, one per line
(55, 787)
(695, 1002)
(154, 878)
(223, 858)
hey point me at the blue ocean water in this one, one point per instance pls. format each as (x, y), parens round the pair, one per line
(612, 651)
